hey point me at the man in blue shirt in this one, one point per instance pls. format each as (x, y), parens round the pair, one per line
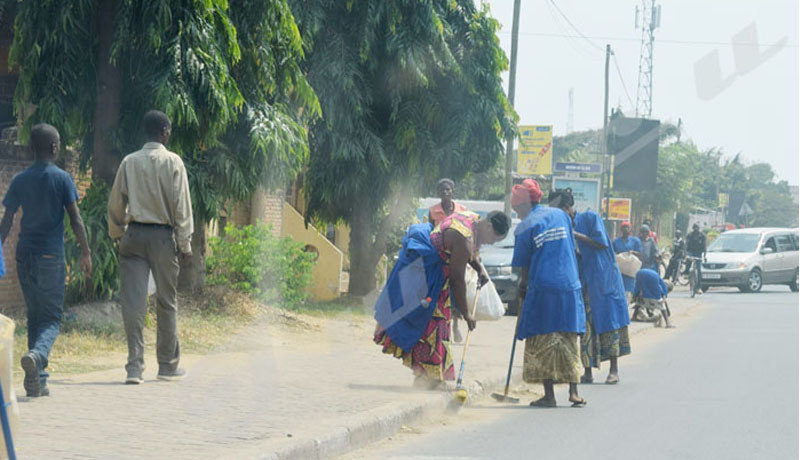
(43, 191)
(651, 293)
(552, 313)
(627, 243)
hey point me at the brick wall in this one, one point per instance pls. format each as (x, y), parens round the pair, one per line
(14, 159)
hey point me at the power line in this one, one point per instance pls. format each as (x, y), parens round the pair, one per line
(622, 80)
(672, 42)
(575, 28)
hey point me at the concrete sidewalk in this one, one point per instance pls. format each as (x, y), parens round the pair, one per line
(305, 388)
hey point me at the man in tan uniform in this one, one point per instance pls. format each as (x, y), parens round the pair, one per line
(150, 215)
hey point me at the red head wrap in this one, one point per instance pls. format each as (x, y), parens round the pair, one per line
(625, 224)
(526, 192)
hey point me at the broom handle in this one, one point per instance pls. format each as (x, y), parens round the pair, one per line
(513, 349)
(466, 340)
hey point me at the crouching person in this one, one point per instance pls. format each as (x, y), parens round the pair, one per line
(650, 293)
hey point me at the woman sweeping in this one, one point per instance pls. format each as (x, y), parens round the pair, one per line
(422, 337)
(552, 312)
(607, 319)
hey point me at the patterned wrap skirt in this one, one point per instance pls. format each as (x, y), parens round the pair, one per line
(554, 356)
(598, 348)
(431, 356)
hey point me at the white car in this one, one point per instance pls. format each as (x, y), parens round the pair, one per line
(752, 257)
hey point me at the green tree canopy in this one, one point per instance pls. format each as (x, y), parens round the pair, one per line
(410, 91)
(226, 72)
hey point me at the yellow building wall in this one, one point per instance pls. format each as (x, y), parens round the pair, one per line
(327, 272)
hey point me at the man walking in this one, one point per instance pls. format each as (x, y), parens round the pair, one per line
(43, 191)
(150, 214)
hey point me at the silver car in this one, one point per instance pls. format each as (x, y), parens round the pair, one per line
(752, 257)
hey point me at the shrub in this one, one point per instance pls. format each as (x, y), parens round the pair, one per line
(251, 260)
(104, 281)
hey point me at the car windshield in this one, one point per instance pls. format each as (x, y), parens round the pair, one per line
(735, 242)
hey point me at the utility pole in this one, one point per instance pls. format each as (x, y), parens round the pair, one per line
(512, 77)
(606, 157)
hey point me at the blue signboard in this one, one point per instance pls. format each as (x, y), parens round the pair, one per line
(578, 167)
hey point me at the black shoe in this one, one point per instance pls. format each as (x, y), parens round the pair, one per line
(44, 391)
(134, 379)
(171, 376)
(32, 382)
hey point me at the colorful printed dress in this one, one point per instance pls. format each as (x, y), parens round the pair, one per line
(431, 356)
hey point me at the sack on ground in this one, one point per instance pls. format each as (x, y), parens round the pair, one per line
(629, 264)
(490, 307)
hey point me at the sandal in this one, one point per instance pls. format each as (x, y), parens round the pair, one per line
(612, 379)
(543, 403)
(580, 403)
(585, 379)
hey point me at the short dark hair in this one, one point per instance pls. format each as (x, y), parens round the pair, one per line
(501, 223)
(154, 123)
(561, 197)
(444, 181)
(42, 136)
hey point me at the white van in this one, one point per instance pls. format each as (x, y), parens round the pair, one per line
(752, 257)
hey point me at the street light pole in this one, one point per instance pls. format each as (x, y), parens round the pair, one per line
(512, 77)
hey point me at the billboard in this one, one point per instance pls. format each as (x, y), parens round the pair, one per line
(633, 143)
(535, 150)
(585, 191)
(618, 209)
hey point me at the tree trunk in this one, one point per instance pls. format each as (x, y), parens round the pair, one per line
(105, 157)
(366, 250)
(362, 271)
(193, 275)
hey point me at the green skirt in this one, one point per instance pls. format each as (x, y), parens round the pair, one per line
(553, 356)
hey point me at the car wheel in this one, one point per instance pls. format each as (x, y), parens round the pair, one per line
(754, 281)
(793, 285)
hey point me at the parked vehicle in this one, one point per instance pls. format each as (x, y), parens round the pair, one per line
(752, 257)
(497, 260)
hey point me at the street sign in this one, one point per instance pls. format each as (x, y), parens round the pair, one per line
(724, 199)
(535, 150)
(585, 191)
(618, 209)
(578, 167)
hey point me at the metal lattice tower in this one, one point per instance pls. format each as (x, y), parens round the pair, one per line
(648, 20)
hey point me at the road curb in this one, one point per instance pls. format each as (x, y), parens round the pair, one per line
(379, 424)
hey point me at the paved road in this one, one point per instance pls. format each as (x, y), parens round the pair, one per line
(724, 384)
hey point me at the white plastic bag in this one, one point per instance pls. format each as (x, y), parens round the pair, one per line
(490, 307)
(629, 264)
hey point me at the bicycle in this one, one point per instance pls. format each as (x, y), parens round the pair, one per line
(694, 274)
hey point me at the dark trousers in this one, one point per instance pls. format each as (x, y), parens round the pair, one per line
(144, 249)
(42, 279)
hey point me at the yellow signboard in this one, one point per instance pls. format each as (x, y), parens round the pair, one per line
(724, 198)
(535, 150)
(619, 209)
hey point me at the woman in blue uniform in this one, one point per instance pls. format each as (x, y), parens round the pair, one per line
(552, 313)
(607, 318)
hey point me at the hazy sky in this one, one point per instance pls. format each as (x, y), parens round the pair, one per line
(750, 105)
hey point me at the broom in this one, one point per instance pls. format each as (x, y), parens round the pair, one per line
(461, 395)
(505, 397)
